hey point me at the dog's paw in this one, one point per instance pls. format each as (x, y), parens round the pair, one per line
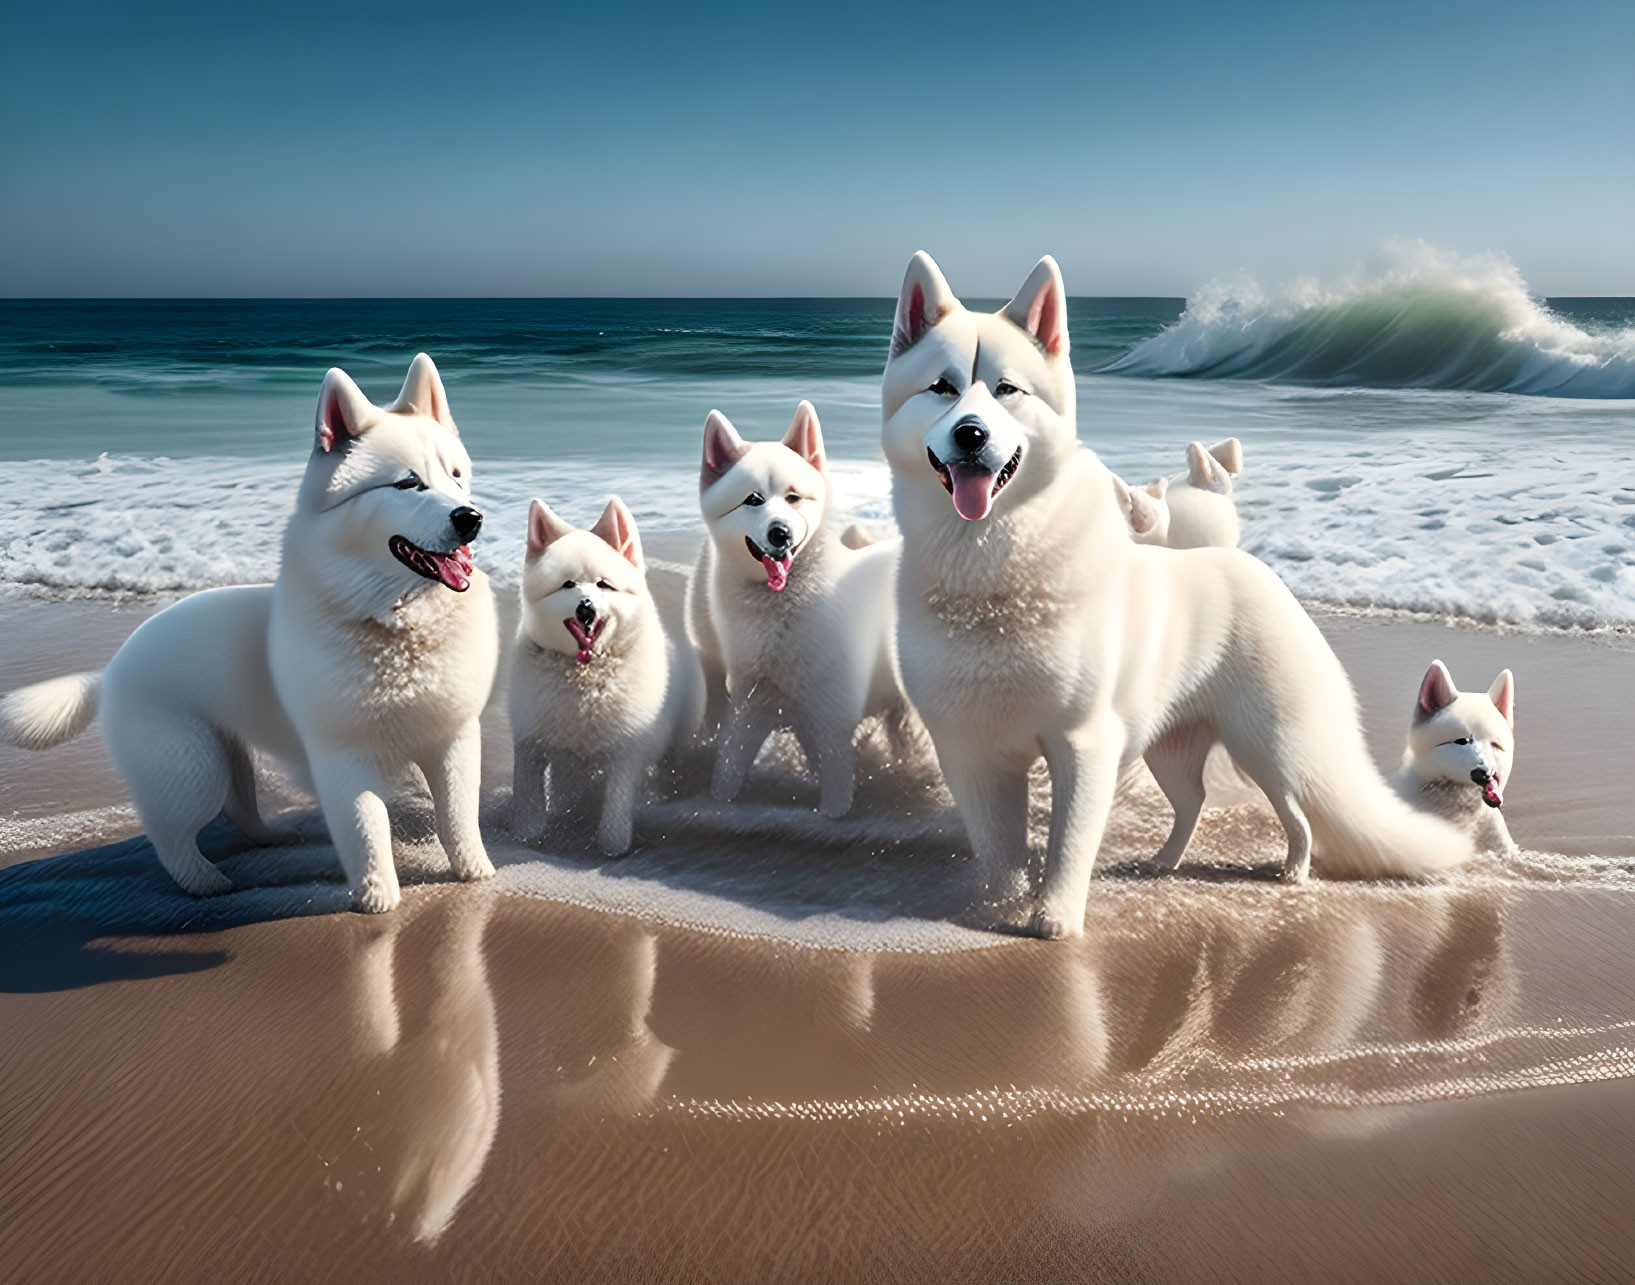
(1295, 876)
(1052, 927)
(205, 881)
(469, 869)
(374, 897)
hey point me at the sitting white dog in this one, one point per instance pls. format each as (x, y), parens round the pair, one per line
(1460, 752)
(794, 627)
(1192, 510)
(598, 685)
(373, 653)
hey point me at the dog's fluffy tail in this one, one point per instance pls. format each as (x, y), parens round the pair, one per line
(1362, 829)
(49, 713)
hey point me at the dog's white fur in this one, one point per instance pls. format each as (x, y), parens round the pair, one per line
(1033, 625)
(613, 708)
(1193, 509)
(351, 670)
(1462, 747)
(814, 656)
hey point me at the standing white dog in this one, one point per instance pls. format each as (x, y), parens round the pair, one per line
(1192, 510)
(793, 627)
(597, 683)
(373, 653)
(1029, 624)
(1460, 752)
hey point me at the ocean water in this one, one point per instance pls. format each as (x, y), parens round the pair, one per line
(1424, 435)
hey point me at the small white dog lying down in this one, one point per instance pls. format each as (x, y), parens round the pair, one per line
(598, 685)
(372, 654)
(1460, 751)
(1030, 624)
(1192, 510)
(793, 627)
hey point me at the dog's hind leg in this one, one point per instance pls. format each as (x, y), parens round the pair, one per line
(241, 806)
(1263, 765)
(455, 780)
(1177, 764)
(744, 730)
(353, 798)
(617, 829)
(177, 771)
(1084, 767)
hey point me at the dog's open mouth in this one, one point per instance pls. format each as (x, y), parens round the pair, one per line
(453, 569)
(585, 636)
(777, 569)
(1490, 792)
(973, 488)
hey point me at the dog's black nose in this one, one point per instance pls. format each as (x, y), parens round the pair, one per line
(585, 613)
(779, 536)
(466, 521)
(970, 435)
(1480, 775)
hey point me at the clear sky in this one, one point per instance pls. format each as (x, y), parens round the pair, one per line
(628, 149)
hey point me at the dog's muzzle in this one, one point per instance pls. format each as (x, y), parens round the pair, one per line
(1489, 785)
(585, 626)
(973, 475)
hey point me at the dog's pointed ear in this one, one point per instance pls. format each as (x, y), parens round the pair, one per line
(805, 436)
(1503, 696)
(1204, 471)
(1229, 454)
(1158, 488)
(343, 411)
(1040, 307)
(924, 300)
(722, 447)
(543, 527)
(423, 393)
(1436, 691)
(618, 528)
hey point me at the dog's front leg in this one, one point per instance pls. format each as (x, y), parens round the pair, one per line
(833, 758)
(529, 811)
(1493, 835)
(1083, 775)
(455, 780)
(352, 793)
(748, 722)
(992, 799)
(624, 778)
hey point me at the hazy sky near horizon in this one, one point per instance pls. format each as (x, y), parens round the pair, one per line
(477, 149)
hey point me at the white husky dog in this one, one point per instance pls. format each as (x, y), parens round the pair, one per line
(1192, 510)
(1461, 747)
(1029, 624)
(597, 683)
(793, 627)
(373, 653)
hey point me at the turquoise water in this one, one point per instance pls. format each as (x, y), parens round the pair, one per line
(155, 446)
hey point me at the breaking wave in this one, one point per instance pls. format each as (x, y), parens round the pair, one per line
(1418, 318)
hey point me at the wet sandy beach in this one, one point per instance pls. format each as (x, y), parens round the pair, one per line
(756, 1053)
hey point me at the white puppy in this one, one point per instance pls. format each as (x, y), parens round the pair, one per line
(597, 683)
(1192, 510)
(1460, 751)
(373, 654)
(1029, 624)
(794, 628)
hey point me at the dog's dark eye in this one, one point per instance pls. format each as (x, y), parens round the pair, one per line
(568, 584)
(942, 388)
(604, 586)
(410, 483)
(793, 498)
(456, 472)
(755, 499)
(1462, 740)
(1004, 388)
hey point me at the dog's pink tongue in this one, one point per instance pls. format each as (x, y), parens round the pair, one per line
(1491, 795)
(454, 569)
(973, 491)
(583, 637)
(777, 570)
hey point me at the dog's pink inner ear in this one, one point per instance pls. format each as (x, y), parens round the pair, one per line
(1436, 689)
(1046, 319)
(1503, 696)
(722, 446)
(618, 528)
(805, 436)
(543, 527)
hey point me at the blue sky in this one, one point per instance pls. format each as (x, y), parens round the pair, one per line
(471, 149)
